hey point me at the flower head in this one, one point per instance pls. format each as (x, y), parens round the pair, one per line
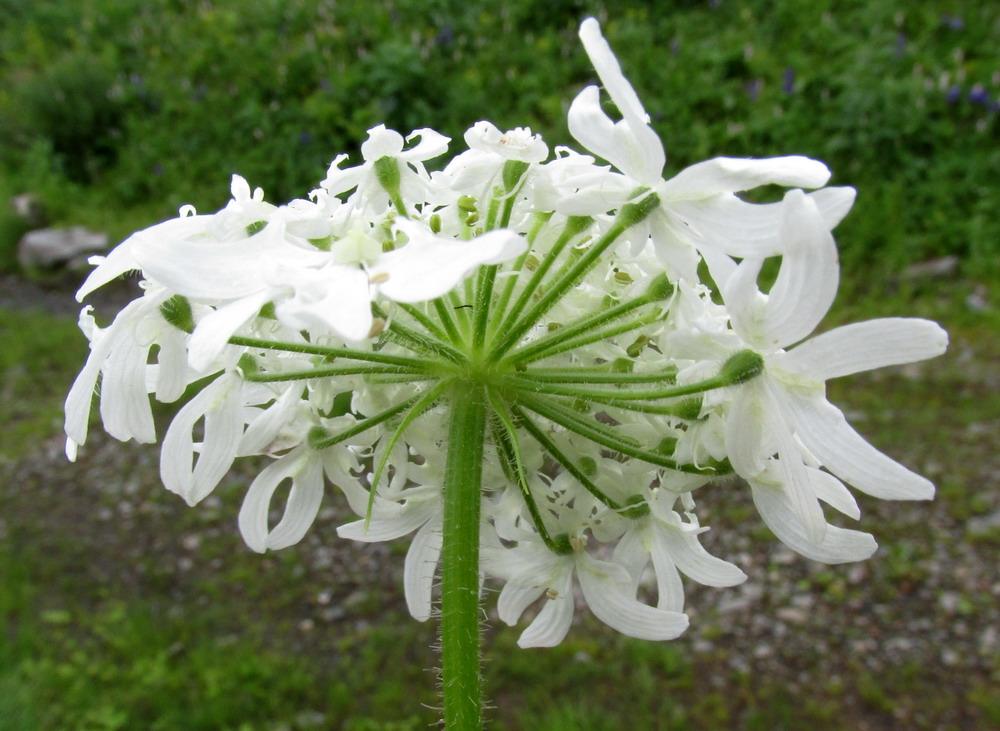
(550, 307)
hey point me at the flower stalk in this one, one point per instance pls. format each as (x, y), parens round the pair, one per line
(460, 572)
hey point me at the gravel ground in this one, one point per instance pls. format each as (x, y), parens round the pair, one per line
(908, 639)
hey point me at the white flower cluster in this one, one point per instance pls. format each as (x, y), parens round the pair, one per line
(566, 293)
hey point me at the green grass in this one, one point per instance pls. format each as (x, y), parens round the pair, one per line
(38, 359)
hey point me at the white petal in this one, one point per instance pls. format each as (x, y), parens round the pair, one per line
(825, 432)
(428, 266)
(172, 375)
(219, 404)
(304, 498)
(632, 551)
(337, 299)
(834, 203)
(125, 408)
(639, 150)
(118, 261)
(744, 301)
(834, 493)
(669, 586)
(809, 275)
(552, 623)
(728, 224)
(431, 145)
(264, 429)
(390, 520)
(744, 426)
(864, 346)
(687, 553)
(204, 269)
(420, 567)
(515, 597)
(81, 395)
(837, 545)
(606, 587)
(610, 72)
(213, 331)
(791, 470)
(381, 143)
(732, 174)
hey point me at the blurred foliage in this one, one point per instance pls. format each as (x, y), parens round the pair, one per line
(153, 103)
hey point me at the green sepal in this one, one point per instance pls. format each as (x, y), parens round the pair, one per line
(513, 171)
(637, 347)
(660, 288)
(256, 227)
(248, 365)
(316, 436)
(666, 446)
(689, 409)
(635, 507)
(387, 175)
(633, 213)
(741, 367)
(562, 545)
(177, 311)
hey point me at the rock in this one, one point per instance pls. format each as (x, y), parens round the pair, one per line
(29, 209)
(932, 268)
(51, 248)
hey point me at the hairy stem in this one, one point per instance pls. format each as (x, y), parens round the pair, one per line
(460, 673)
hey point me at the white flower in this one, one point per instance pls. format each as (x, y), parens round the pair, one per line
(396, 512)
(698, 207)
(119, 355)
(771, 496)
(671, 543)
(304, 467)
(387, 143)
(786, 405)
(515, 144)
(532, 571)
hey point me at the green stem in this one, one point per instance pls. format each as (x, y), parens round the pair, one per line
(428, 324)
(580, 375)
(591, 322)
(604, 395)
(265, 377)
(418, 342)
(575, 225)
(509, 442)
(519, 265)
(484, 295)
(593, 337)
(629, 215)
(311, 349)
(591, 431)
(441, 307)
(460, 638)
(416, 412)
(549, 446)
(319, 438)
